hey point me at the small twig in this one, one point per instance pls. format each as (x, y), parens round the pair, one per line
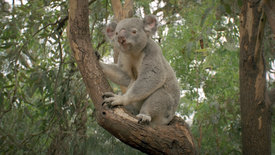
(57, 77)
(93, 26)
(99, 44)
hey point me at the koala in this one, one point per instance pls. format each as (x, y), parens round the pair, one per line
(153, 91)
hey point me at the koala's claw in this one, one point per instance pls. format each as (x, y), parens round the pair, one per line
(143, 119)
(112, 99)
(107, 95)
(104, 103)
(108, 104)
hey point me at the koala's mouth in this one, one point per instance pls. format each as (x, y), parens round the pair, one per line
(125, 45)
(122, 42)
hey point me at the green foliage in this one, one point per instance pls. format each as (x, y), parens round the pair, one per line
(208, 75)
(44, 107)
(44, 104)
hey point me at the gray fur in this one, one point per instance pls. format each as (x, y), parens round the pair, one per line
(152, 89)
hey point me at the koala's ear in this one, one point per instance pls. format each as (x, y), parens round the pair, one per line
(110, 30)
(150, 24)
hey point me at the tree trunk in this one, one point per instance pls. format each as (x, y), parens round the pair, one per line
(269, 9)
(255, 109)
(172, 139)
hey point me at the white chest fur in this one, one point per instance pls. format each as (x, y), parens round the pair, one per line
(131, 64)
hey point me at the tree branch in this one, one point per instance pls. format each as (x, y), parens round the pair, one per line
(128, 9)
(117, 8)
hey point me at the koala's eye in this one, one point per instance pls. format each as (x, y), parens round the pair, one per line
(116, 33)
(134, 31)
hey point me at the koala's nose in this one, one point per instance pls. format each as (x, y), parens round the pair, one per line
(121, 37)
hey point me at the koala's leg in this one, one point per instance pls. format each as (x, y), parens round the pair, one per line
(158, 109)
(115, 74)
(134, 108)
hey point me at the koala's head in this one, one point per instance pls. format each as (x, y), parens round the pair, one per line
(131, 35)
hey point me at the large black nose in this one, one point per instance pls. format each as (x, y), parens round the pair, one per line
(121, 36)
(121, 39)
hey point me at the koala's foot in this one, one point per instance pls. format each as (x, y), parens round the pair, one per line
(143, 119)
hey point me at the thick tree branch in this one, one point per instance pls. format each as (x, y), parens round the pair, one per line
(173, 139)
(79, 36)
(122, 12)
(117, 8)
(128, 9)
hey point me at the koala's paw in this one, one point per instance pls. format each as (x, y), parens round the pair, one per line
(112, 99)
(107, 95)
(143, 119)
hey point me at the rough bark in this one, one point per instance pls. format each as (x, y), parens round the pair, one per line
(269, 9)
(255, 109)
(125, 11)
(172, 139)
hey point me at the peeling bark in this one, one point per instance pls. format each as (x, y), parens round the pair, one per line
(175, 138)
(255, 109)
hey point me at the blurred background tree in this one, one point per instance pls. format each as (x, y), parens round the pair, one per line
(44, 106)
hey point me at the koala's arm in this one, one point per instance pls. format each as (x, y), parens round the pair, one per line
(115, 74)
(151, 77)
